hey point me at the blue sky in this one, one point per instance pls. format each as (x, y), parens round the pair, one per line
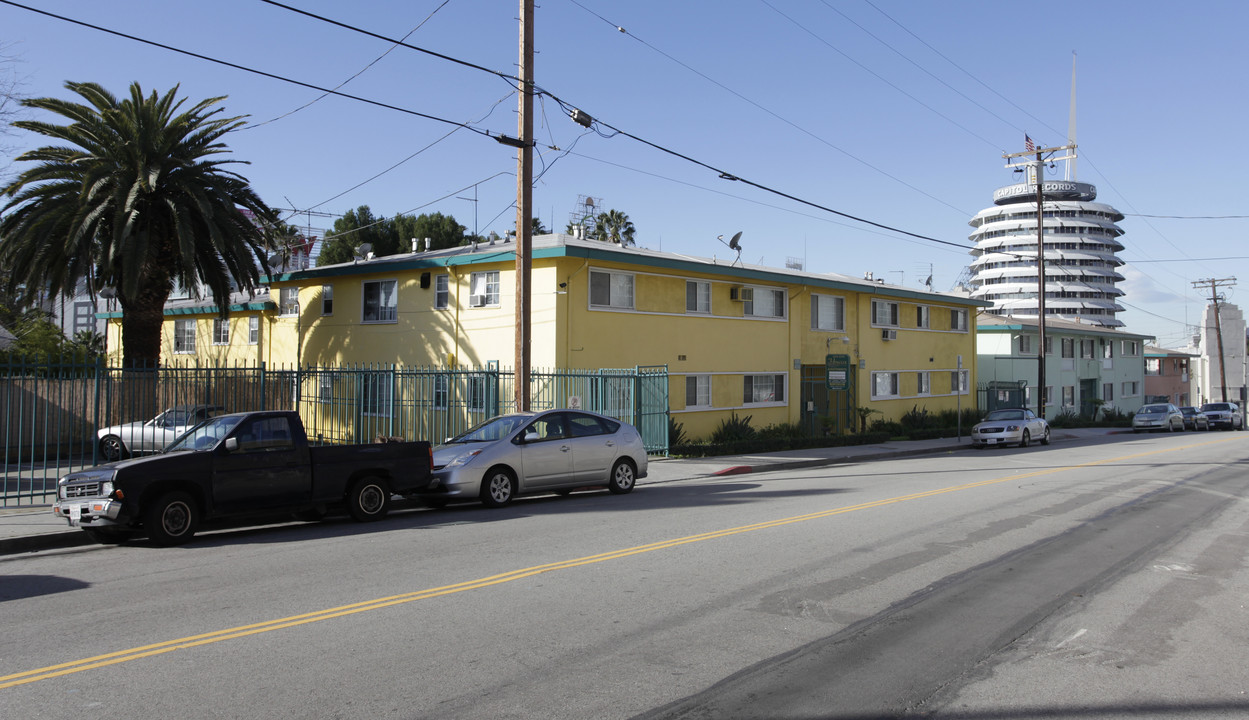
(896, 112)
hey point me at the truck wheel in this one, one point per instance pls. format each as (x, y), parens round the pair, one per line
(622, 477)
(498, 488)
(106, 537)
(368, 500)
(172, 519)
(111, 448)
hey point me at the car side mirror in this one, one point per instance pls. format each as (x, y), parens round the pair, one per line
(530, 436)
(232, 444)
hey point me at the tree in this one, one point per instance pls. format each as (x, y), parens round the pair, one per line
(614, 226)
(442, 230)
(353, 229)
(134, 198)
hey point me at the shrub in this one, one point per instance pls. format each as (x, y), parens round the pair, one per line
(676, 432)
(782, 431)
(1068, 418)
(733, 429)
(917, 419)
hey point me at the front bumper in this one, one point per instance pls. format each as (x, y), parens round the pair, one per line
(89, 512)
(997, 438)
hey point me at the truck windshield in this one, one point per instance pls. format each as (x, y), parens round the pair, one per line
(206, 435)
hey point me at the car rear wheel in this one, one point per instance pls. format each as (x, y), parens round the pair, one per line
(623, 477)
(1025, 440)
(1045, 439)
(368, 500)
(172, 519)
(111, 448)
(498, 487)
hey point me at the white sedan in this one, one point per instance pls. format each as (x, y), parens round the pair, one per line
(1010, 427)
(119, 441)
(537, 452)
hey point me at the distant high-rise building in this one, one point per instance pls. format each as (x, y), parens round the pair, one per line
(1081, 243)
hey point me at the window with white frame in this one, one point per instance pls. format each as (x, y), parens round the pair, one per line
(1153, 366)
(885, 384)
(697, 391)
(763, 389)
(442, 292)
(1025, 345)
(1069, 395)
(477, 394)
(483, 289)
(1048, 398)
(828, 313)
(884, 313)
(959, 381)
(1069, 347)
(1131, 388)
(697, 296)
(221, 331)
(441, 391)
(921, 316)
(958, 320)
(375, 394)
(1108, 392)
(288, 301)
(1086, 349)
(1108, 350)
(327, 299)
(184, 336)
(325, 388)
(381, 301)
(1131, 348)
(765, 302)
(924, 384)
(1049, 345)
(611, 290)
(84, 317)
(253, 330)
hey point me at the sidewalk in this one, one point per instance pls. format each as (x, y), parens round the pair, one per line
(33, 528)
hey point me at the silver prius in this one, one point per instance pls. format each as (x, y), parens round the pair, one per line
(1010, 427)
(537, 452)
(1158, 416)
(136, 438)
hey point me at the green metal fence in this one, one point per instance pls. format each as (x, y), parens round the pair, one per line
(50, 412)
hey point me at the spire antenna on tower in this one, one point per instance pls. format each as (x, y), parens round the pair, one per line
(1071, 122)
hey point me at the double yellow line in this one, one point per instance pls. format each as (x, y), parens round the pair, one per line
(185, 643)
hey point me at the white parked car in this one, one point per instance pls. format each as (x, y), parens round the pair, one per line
(1010, 427)
(537, 452)
(137, 438)
(1224, 415)
(1158, 416)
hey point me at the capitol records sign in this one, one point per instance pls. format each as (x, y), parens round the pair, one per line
(1051, 189)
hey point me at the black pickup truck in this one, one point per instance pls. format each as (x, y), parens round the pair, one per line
(237, 465)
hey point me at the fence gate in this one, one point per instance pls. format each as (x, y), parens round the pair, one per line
(826, 410)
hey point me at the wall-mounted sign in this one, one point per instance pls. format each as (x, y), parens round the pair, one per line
(837, 368)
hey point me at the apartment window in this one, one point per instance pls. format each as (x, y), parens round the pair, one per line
(1069, 395)
(253, 330)
(442, 292)
(381, 301)
(884, 384)
(884, 313)
(828, 313)
(697, 391)
(1048, 398)
(1086, 349)
(924, 383)
(1049, 346)
(1131, 348)
(763, 389)
(921, 316)
(959, 381)
(1131, 389)
(327, 299)
(697, 296)
(84, 317)
(325, 388)
(483, 289)
(1108, 350)
(1025, 345)
(441, 391)
(611, 290)
(958, 320)
(477, 394)
(1153, 366)
(1108, 392)
(765, 302)
(288, 301)
(1069, 347)
(221, 331)
(184, 336)
(375, 395)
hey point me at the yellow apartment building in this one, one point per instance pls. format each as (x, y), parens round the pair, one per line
(779, 345)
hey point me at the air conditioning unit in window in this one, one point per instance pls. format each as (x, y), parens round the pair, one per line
(476, 300)
(742, 294)
(888, 334)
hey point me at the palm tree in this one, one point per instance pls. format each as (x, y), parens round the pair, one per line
(134, 198)
(614, 226)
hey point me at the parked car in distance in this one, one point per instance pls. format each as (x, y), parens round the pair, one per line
(1194, 419)
(1018, 426)
(239, 465)
(537, 452)
(138, 438)
(1158, 416)
(1224, 415)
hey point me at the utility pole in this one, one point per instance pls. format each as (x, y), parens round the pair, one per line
(524, 198)
(1037, 169)
(1218, 326)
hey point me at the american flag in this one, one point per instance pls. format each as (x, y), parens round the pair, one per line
(1028, 144)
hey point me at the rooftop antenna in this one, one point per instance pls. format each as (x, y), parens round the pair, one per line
(1071, 122)
(735, 245)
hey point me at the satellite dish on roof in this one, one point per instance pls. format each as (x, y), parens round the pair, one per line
(275, 260)
(735, 242)
(589, 201)
(365, 248)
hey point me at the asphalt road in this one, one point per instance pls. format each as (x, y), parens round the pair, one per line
(1073, 580)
